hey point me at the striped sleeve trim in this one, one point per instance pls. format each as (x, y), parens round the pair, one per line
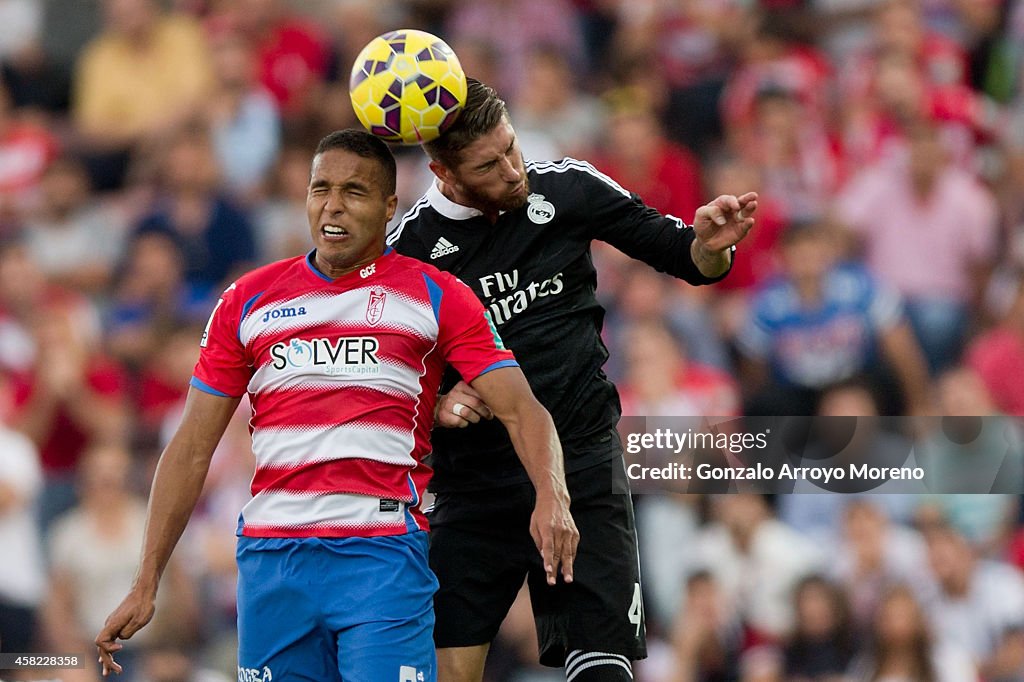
(567, 164)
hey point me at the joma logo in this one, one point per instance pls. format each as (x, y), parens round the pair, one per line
(278, 313)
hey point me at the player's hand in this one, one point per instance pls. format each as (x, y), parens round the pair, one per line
(460, 407)
(131, 616)
(725, 221)
(555, 534)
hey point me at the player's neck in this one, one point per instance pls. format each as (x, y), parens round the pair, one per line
(457, 197)
(335, 271)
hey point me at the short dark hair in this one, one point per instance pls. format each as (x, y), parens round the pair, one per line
(362, 143)
(483, 112)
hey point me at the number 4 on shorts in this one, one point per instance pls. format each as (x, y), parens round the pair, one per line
(636, 608)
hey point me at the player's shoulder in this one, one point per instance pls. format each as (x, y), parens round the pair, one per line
(261, 278)
(570, 172)
(426, 271)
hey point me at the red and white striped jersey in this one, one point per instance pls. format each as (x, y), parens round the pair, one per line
(343, 377)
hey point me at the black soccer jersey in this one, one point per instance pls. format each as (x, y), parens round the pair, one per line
(534, 273)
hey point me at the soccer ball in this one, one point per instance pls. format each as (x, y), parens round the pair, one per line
(407, 86)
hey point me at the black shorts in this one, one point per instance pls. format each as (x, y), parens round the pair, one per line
(481, 551)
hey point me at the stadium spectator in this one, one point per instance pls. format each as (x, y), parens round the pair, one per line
(946, 218)
(93, 552)
(555, 107)
(645, 295)
(161, 379)
(707, 637)
(537, 22)
(777, 55)
(691, 44)
(875, 553)
(975, 450)
(901, 646)
(30, 72)
(824, 639)
(818, 514)
(151, 299)
(244, 122)
(280, 217)
(27, 147)
(997, 356)
(901, 28)
(72, 397)
(977, 600)
(760, 259)
(143, 76)
(215, 236)
(23, 290)
(354, 24)
(660, 380)
(292, 53)
(75, 239)
(800, 166)
(22, 581)
(822, 321)
(636, 154)
(21, 22)
(666, 527)
(757, 562)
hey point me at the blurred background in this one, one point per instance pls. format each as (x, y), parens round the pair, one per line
(152, 151)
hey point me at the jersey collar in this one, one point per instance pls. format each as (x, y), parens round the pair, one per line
(356, 276)
(448, 208)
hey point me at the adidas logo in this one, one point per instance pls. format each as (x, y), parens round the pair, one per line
(443, 247)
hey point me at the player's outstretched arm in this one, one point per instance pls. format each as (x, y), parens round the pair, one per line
(720, 225)
(509, 397)
(177, 484)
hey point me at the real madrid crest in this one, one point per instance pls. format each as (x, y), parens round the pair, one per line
(540, 211)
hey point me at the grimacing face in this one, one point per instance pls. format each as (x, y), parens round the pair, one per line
(491, 175)
(348, 210)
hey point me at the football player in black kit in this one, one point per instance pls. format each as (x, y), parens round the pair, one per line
(518, 233)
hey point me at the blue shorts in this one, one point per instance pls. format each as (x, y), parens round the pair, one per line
(348, 609)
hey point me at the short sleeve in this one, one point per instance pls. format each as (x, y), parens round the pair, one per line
(224, 368)
(467, 337)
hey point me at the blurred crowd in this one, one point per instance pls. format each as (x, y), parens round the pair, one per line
(152, 151)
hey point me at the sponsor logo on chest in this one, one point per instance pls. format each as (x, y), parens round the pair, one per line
(344, 355)
(505, 299)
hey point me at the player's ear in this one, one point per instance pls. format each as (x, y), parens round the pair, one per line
(391, 207)
(441, 171)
